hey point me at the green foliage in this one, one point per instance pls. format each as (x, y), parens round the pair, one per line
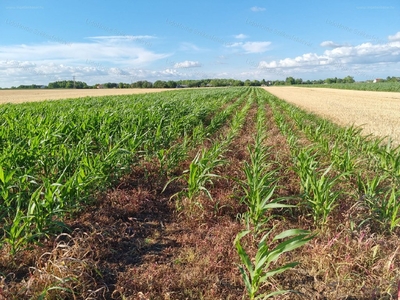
(391, 86)
(55, 155)
(259, 187)
(318, 189)
(258, 272)
(385, 209)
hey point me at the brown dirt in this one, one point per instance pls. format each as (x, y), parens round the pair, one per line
(377, 112)
(19, 96)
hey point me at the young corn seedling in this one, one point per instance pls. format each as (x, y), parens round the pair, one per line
(370, 189)
(317, 189)
(305, 163)
(17, 235)
(344, 161)
(257, 272)
(200, 173)
(260, 183)
(321, 197)
(259, 189)
(386, 209)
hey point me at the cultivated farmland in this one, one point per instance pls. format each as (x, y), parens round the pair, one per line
(225, 193)
(20, 96)
(377, 112)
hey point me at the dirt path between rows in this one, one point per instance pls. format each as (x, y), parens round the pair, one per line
(19, 96)
(377, 112)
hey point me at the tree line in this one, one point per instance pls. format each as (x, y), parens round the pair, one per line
(190, 83)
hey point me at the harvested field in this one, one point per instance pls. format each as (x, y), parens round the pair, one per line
(19, 96)
(377, 112)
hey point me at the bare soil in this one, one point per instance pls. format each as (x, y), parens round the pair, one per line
(20, 96)
(378, 113)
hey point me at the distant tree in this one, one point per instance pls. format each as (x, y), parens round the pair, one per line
(330, 80)
(237, 83)
(290, 80)
(392, 79)
(279, 82)
(171, 84)
(147, 85)
(298, 81)
(348, 79)
(159, 84)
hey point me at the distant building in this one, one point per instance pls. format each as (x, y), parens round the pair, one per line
(376, 80)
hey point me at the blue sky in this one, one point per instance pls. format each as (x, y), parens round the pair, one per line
(126, 41)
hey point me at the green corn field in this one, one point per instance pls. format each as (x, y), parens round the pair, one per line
(211, 193)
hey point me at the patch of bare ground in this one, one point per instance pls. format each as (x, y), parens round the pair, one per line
(378, 113)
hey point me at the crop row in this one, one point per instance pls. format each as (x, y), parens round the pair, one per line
(55, 155)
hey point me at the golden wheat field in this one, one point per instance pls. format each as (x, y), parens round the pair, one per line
(377, 112)
(19, 96)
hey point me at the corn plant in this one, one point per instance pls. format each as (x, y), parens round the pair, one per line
(370, 188)
(322, 197)
(55, 155)
(305, 162)
(318, 189)
(200, 171)
(385, 209)
(345, 162)
(390, 161)
(259, 188)
(257, 272)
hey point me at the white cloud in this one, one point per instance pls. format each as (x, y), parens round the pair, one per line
(241, 36)
(330, 44)
(395, 37)
(257, 8)
(341, 61)
(187, 64)
(100, 57)
(341, 55)
(185, 46)
(127, 53)
(143, 40)
(252, 47)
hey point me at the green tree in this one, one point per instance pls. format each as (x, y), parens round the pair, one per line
(348, 79)
(290, 80)
(247, 82)
(298, 81)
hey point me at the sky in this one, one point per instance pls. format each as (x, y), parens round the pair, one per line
(44, 41)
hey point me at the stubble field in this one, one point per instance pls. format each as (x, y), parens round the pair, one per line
(20, 96)
(377, 112)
